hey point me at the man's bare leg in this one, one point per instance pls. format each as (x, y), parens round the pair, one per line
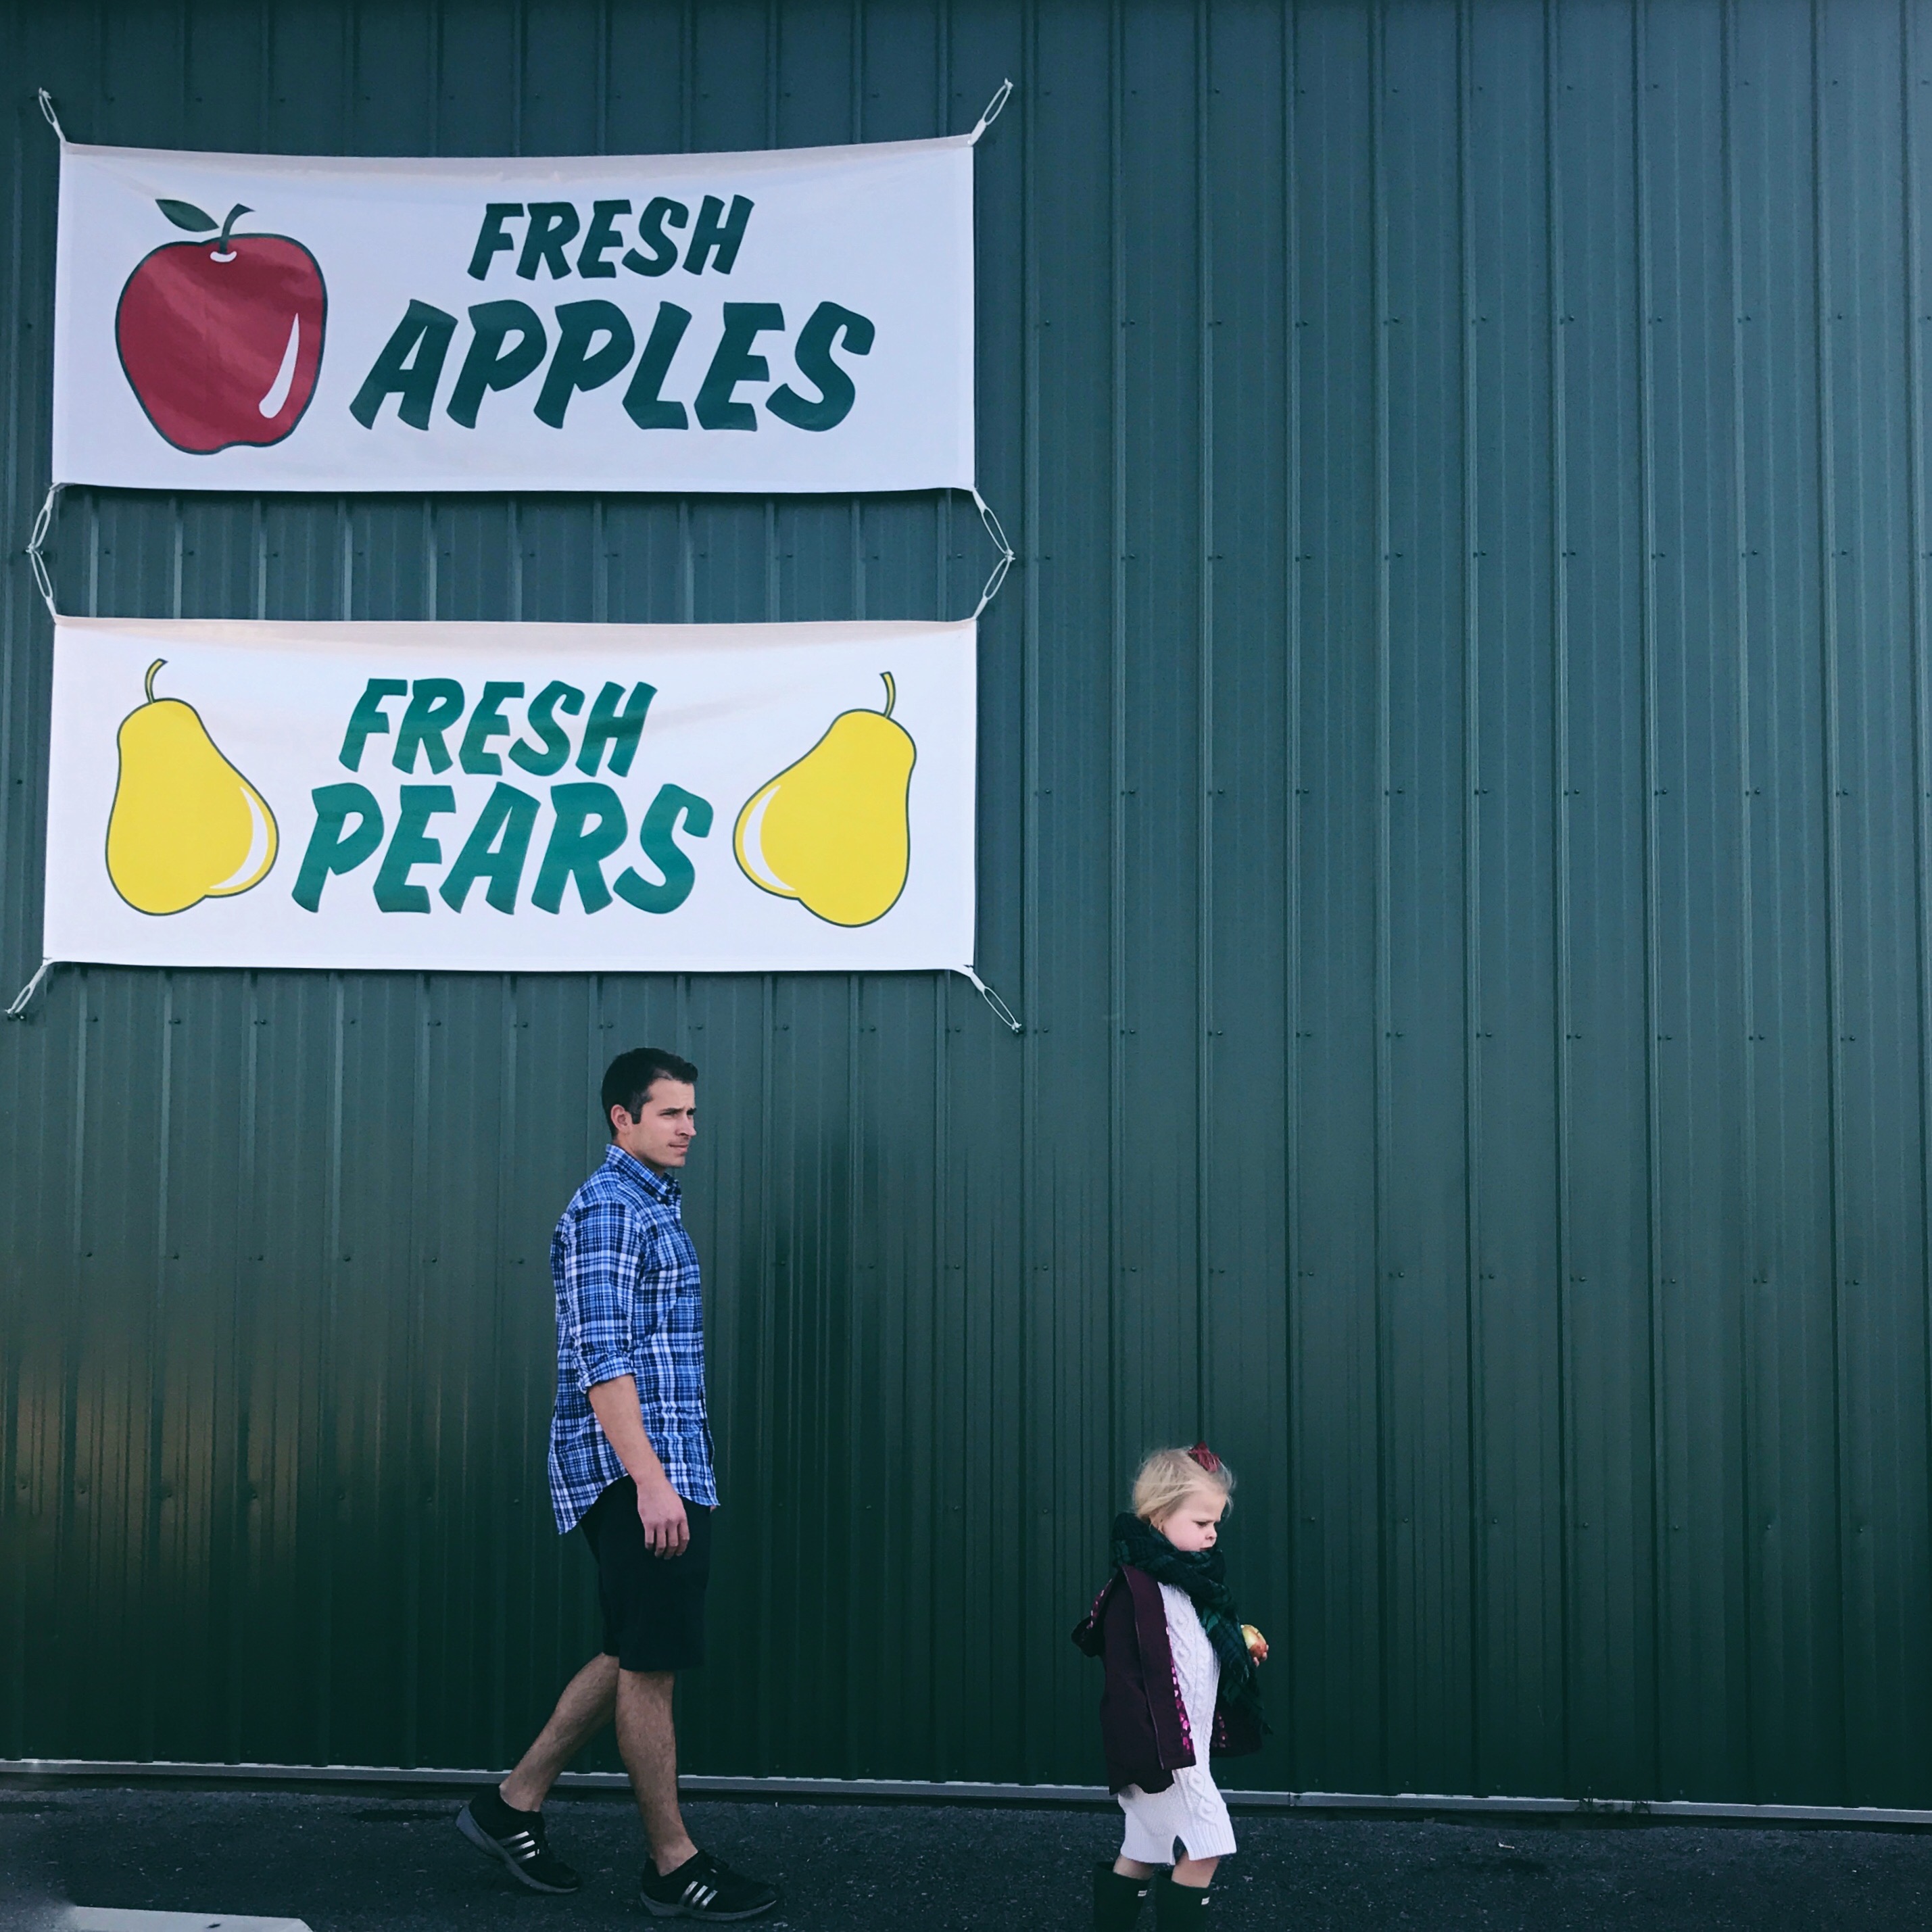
(648, 1743)
(581, 1712)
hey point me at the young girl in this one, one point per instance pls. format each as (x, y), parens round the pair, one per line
(1180, 1669)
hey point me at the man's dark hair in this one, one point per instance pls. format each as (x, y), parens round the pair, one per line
(628, 1078)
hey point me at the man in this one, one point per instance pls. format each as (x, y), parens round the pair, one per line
(630, 1461)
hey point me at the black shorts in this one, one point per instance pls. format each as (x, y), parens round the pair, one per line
(653, 1606)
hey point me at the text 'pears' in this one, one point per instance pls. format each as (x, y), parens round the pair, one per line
(186, 825)
(831, 830)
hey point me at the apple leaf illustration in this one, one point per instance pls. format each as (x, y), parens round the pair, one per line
(185, 215)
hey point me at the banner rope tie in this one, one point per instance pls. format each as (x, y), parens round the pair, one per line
(993, 1000)
(986, 120)
(1005, 550)
(24, 998)
(52, 119)
(37, 555)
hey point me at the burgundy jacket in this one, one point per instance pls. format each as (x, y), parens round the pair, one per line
(1144, 1726)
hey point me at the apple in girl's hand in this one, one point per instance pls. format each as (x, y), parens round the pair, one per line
(1257, 1644)
(222, 341)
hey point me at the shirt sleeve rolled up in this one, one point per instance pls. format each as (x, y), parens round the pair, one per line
(601, 1264)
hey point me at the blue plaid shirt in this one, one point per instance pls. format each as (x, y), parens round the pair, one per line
(627, 1304)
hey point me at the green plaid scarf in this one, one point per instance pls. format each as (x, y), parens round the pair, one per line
(1204, 1576)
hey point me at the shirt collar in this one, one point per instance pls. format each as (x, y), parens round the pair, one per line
(658, 1187)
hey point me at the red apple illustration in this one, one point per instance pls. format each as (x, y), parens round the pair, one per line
(222, 343)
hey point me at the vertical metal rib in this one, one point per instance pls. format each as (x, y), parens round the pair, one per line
(1652, 989)
(1472, 897)
(1911, 161)
(244, 1328)
(320, 1511)
(144, 1504)
(1035, 1228)
(1291, 334)
(1204, 1017)
(416, 1425)
(499, 1446)
(1755, 1256)
(941, 1716)
(1835, 919)
(1117, 896)
(1384, 997)
(1560, 861)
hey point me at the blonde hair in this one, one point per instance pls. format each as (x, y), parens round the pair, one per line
(1166, 1479)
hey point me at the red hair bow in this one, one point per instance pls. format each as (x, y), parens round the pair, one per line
(1207, 1458)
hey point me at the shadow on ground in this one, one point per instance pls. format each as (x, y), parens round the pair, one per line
(354, 1863)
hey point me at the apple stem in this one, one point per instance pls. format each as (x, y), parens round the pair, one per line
(892, 692)
(234, 214)
(149, 686)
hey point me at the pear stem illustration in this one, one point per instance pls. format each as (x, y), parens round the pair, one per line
(148, 687)
(892, 693)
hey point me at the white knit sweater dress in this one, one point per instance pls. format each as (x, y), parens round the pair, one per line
(1192, 1808)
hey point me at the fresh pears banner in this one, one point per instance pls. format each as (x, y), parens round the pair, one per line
(789, 321)
(512, 797)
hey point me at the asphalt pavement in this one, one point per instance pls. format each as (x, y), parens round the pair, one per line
(354, 1862)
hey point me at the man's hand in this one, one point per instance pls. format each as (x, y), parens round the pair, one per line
(660, 1507)
(661, 1510)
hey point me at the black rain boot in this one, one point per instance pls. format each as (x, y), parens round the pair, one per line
(1117, 1899)
(1178, 1905)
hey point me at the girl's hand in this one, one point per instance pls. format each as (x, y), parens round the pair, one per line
(1257, 1644)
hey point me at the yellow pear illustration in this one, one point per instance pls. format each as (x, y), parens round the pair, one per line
(186, 825)
(830, 831)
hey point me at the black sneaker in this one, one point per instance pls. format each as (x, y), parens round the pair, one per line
(703, 1887)
(515, 1839)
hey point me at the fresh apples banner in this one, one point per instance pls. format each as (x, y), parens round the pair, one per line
(798, 320)
(512, 797)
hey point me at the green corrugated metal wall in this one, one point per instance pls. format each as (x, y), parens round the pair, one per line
(1455, 771)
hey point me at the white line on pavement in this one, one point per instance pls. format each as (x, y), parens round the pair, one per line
(112, 1918)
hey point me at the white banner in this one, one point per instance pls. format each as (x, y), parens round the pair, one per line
(512, 797)
(793, 321)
